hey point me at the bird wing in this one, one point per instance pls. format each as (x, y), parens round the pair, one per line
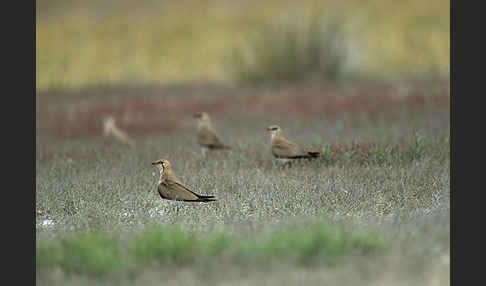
(173, 190)
(208, 137)
(282, 148)
(121, 136)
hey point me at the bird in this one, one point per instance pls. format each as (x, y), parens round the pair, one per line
(206, 136)
(110, 130)
(170, 189)
(285, 150)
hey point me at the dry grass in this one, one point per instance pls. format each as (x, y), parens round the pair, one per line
(385, 171)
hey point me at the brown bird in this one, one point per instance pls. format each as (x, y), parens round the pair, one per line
(285, 150)
(110, 130)
(170, 189)
(206, 136)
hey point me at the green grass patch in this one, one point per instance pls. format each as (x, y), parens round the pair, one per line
(96, 254)
(90, 253)
(170, 244)
(318, 242)
(48, 254)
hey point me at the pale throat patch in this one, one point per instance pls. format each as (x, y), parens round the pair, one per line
(199, 123)
(161, 171)
(107, 127)
(273, 134)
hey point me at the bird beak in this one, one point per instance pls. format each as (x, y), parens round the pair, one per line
(153, 164)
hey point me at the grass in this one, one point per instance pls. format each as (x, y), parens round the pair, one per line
(165, 245)
(92, 254)
(96, 254)
(82, 43)
(318, 242)
(374, 208)
(292, 53)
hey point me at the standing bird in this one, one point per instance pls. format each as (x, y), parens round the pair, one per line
(170, 189)
(110, 130)
(206, 136)
(285, 150)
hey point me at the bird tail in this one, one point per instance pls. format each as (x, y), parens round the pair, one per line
(205, 199)
(222, 146)
(314, 154)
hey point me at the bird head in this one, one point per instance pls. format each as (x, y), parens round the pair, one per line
(162, 164)
(108, 122)
(202, 118)
(274, 130)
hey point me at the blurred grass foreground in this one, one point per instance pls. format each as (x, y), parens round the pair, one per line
(82, 43)
(96, 254)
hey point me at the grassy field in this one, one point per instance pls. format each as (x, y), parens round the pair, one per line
(89, 43)
(373, 210)
(364, 82)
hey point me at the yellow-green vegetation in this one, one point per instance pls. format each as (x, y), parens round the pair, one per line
(318, 242)
(90, 253)
(81, 43)
(97, 254)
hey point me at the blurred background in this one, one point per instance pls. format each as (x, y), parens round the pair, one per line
(86, 43)
(129, 58)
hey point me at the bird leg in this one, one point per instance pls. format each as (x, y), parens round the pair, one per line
(177, 209)
(203, 152)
